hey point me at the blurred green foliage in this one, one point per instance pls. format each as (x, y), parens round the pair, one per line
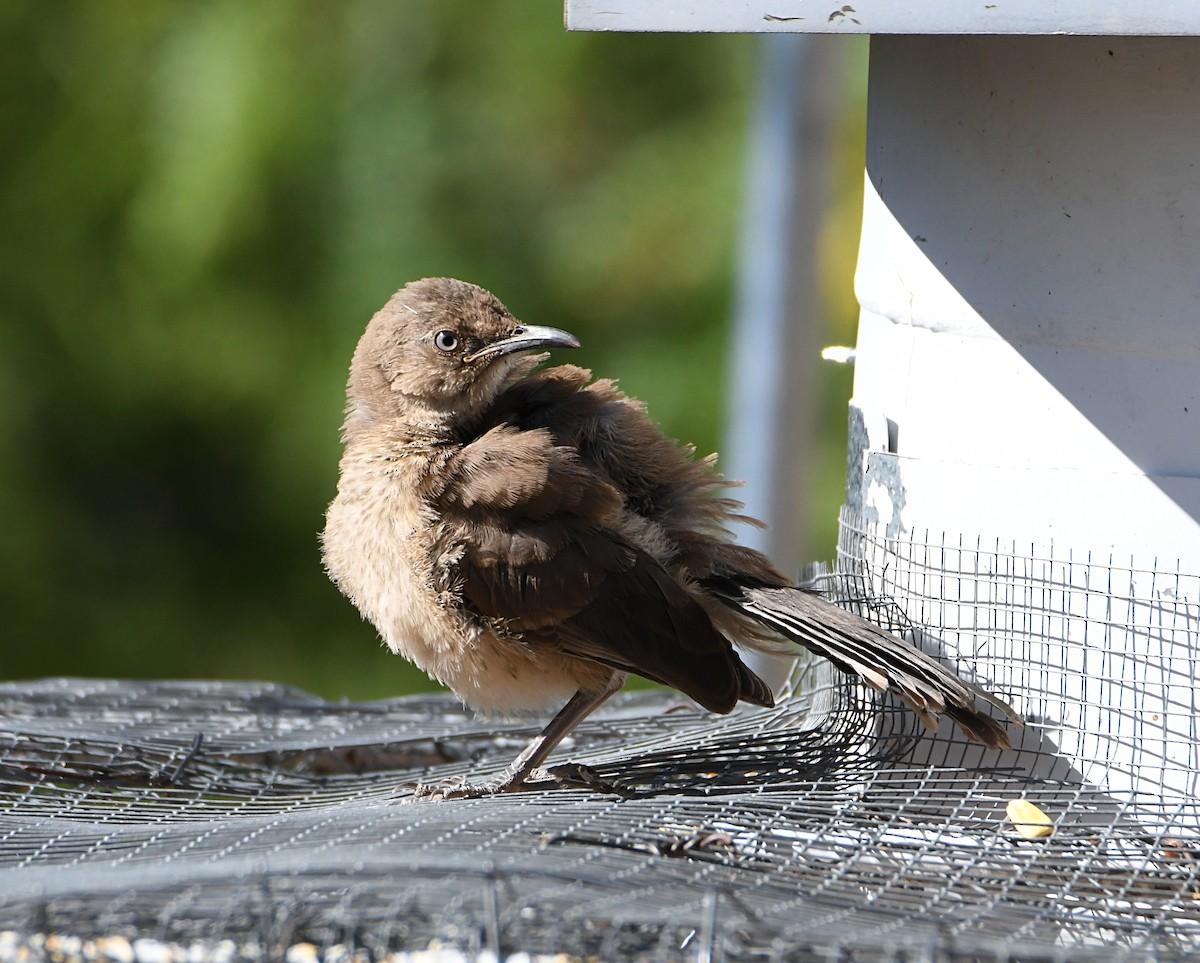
(202, 205)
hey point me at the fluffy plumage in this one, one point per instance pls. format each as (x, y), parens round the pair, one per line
(525, 535)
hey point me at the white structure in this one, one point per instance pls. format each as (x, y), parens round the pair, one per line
(1028, 361)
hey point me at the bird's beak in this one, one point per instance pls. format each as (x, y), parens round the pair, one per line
(527, 337)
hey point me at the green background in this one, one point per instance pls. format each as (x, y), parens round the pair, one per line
(203, 203)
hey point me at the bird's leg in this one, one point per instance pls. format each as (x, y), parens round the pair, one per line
(580, 706)
(516, 776)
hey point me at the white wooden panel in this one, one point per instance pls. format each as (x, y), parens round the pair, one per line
(1028, 363)
(1162, 18)
(1029, 275)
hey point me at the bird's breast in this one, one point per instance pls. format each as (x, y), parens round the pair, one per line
(376, 550)
(381, 549)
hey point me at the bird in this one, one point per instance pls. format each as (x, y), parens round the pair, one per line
(529, 537)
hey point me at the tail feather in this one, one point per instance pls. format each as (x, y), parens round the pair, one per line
(882, 660)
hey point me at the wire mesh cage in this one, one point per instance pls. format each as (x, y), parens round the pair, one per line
(220, 820)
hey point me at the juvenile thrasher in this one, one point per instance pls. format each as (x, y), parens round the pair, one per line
(529, 537)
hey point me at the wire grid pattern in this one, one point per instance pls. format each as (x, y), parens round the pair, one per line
(826, 828)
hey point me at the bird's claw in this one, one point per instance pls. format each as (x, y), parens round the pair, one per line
(574, 775)
(455, 787)
(567, 776)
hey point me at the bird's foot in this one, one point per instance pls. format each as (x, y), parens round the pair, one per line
(567, 776)
(574, 775)
(456, 787)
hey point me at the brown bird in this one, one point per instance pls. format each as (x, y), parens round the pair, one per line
(528, 538)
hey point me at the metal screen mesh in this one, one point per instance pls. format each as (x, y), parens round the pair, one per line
(230, 820)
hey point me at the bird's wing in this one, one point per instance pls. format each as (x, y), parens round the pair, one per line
(659, 479)
(532, 538)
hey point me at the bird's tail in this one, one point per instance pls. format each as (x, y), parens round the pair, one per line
(882, 660)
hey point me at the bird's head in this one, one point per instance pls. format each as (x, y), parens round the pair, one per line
(440, 351)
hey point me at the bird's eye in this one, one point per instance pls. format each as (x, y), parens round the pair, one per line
(445, 341)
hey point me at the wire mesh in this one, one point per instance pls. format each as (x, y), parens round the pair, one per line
(229, 820)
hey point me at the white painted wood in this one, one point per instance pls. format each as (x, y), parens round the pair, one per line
(1029, 277)
(1028, 361)
(1097, 17)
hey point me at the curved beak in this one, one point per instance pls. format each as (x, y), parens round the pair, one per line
(527, 337)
